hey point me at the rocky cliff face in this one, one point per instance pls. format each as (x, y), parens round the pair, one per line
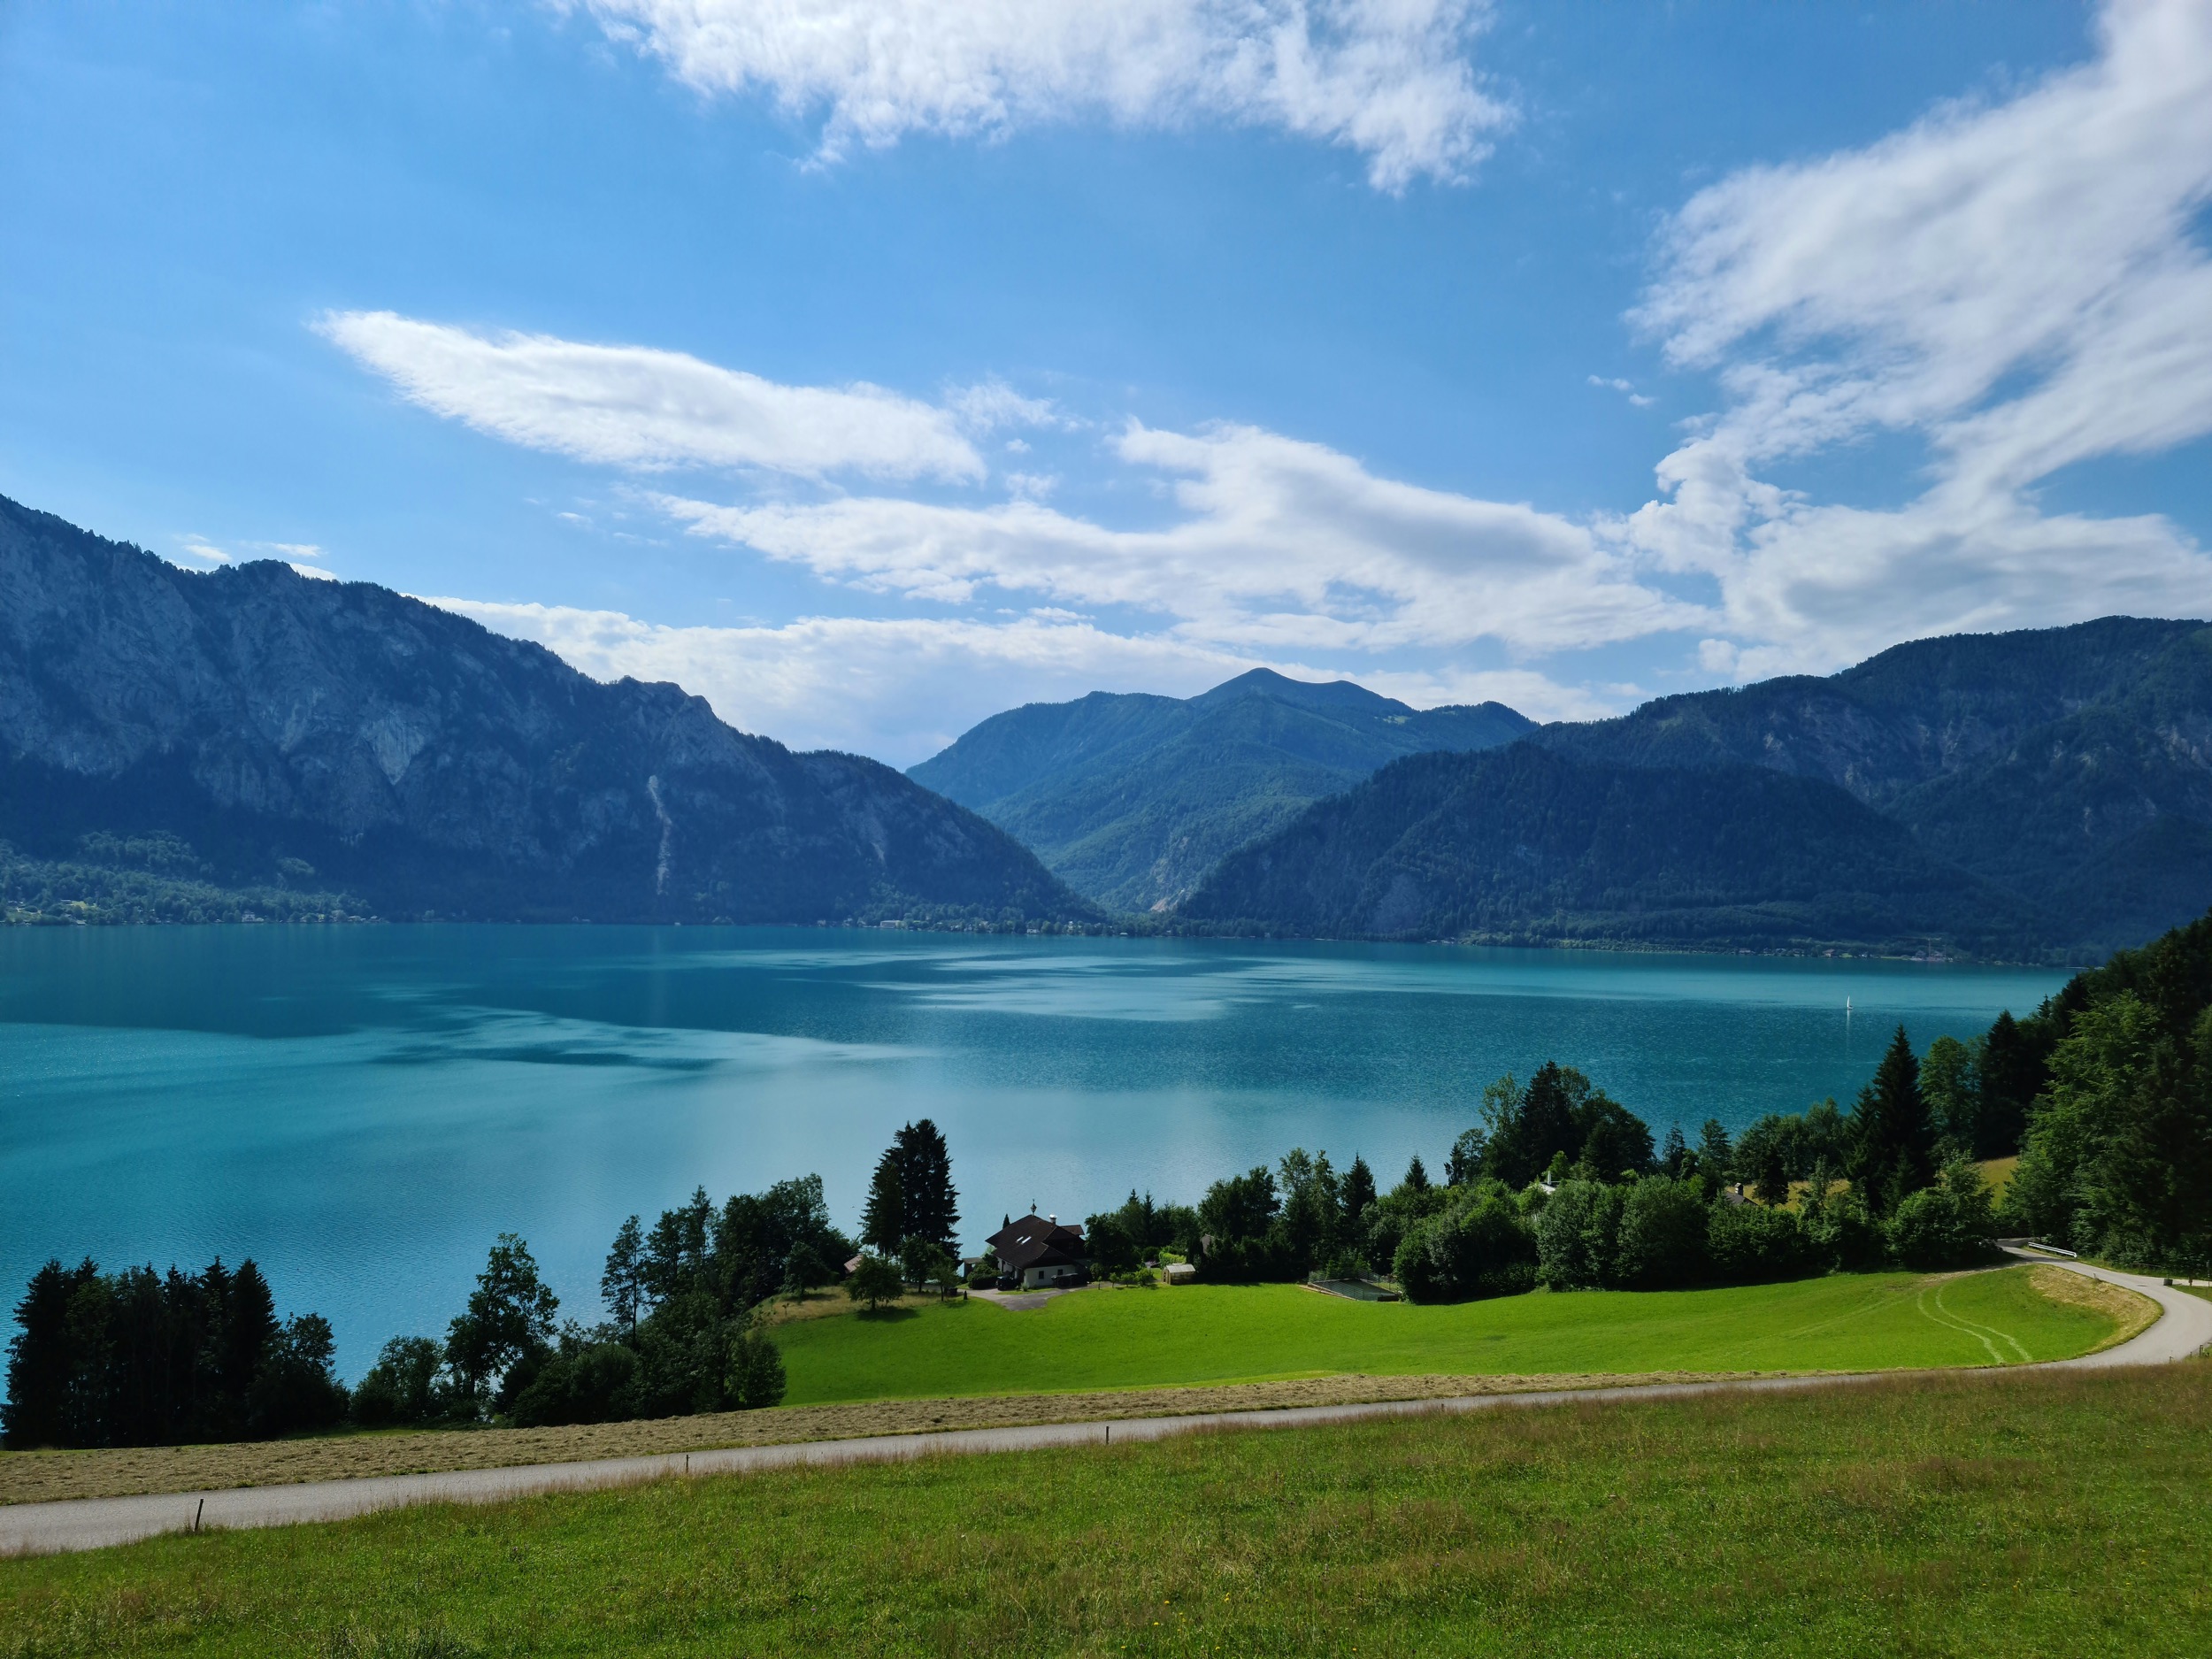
(299, 730)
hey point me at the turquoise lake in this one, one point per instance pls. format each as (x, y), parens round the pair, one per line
(362, 1109)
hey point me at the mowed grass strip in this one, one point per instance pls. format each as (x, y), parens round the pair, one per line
(951, 1373)
(1970, 1514)
(122, 1471)
(1109, 1338)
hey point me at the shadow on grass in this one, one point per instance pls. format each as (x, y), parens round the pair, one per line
(887, 1316)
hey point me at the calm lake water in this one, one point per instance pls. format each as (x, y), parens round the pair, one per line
(363, 1109)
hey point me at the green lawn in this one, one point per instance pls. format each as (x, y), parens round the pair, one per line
(1209, 1334)
(2017, 1514)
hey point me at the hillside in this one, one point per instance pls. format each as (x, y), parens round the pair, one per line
(2071, 766)
(1132, 799)
(1524, 845)
(2031, 794)
(251, 728)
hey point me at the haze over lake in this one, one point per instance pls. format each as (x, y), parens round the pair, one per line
(363, 1109)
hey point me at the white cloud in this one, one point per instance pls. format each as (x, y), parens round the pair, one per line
(1389, 79)
(315, 571)
(990, 406)
(1625, 387)
(632, 406)
(1278, 546)
(200, 547)
(2018, 286)
(902, 689)
(1274, 545)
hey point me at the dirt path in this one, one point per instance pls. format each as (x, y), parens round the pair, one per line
(2185, 1328)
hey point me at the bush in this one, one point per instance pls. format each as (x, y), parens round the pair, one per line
(1749, 1244)
(1661, 1238)
(1346, 1263)
(594, 1383)
(1577, 1236)
(875, 1280)
(753, 1379)
(294, 1390)
(1839, 1232)
(403, 1389)
(1478, 1247)
(1949, 1224)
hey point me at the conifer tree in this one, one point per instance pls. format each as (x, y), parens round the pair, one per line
(1416, 1179)
(1716, 1157)
(622, 1286)
(1892, 1133)
(883, 1221)
(929, 1203)
(2011, 1076)
(1358, 1192)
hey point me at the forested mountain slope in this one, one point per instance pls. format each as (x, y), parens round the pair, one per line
(1524, 845)
(2063, 778)
(1133, 798)
(257, 729)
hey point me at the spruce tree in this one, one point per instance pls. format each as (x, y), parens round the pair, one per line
(1893, 1133)
(883, 1222)
(622, 1286)
(929, 1203)
(1716, 1157)
(1359, 1193)
(2011, 1076)
(1416, 1179)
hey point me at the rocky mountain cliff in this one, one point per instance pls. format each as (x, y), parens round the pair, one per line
(294, 733)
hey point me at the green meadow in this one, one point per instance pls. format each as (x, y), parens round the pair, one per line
(1111, 1337)
(2055, 1514)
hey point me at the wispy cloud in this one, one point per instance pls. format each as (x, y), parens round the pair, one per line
(2019, 286)
(635, 407)
(1279, 546)
(1391, 80)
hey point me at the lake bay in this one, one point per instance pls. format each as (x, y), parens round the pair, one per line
(362, 1109)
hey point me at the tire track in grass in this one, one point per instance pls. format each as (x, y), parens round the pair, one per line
(1982, 1334)
(2016, 1345)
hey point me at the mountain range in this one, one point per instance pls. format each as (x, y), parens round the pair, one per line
(2036, 793)
(253, 728)
(252, 738)
(1132, 799)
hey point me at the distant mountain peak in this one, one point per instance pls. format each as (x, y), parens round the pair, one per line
(1133, 798)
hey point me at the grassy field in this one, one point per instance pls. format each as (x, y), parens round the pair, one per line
(42, 1476)
(1204, 1333)
(2021, 1514)
(1109, 1354)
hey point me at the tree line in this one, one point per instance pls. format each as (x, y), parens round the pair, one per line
(138, 1358)
(142, 1358)
(1560, 1185)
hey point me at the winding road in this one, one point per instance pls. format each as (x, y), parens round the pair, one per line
(2183, 1328)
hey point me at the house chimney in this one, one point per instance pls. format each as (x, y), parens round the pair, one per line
(1055, 1220)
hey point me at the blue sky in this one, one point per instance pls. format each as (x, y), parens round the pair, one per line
(872, 365)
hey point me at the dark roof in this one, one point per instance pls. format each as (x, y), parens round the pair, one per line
(1038, 1242)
